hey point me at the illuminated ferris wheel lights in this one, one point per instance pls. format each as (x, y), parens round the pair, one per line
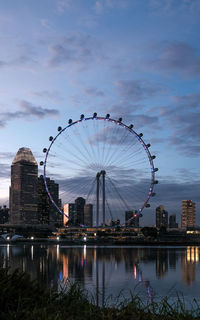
(59, 128)
(82, 116)
(70, 121)
(45, 150)
(50, 138)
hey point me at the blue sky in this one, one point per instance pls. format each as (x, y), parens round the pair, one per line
(135, 59)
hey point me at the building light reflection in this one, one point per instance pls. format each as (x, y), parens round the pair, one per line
(31, 252)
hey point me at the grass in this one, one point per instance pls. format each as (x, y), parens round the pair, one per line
(22, 298)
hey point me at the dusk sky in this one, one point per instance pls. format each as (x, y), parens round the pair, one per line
(135, 59)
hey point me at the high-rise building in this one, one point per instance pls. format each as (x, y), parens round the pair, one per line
(161, 217)
(188, 214)
(4, 214)
(132, 219)
(47, 212)
(172, 221)
(23, 190)
(79, 211)
(69, 214)
(88, 215)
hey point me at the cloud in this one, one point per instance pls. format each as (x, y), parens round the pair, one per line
(71, 49)
(28, 112)
(136, 90)
(170, 7)
(93, 92)
(63, 5)
(7, 155)
(183, 117)
(4, 170)
(176, 57)
(101, 5)
(46, 94)
(77, 51)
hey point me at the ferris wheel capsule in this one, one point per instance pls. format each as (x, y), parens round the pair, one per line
(148, 145)
(82, 116)
(120, 120)
(70, 121)
(50, 138)
(131, 126)
(94, 115)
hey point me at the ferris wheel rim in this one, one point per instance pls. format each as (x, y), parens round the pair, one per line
(118, 122)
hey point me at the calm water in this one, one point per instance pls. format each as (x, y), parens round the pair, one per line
(148, 271)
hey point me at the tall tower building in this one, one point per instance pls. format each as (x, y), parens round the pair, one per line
(79, 213)
(47, 212)
(172, 221)
(69, 214)
(88, 215)
(23, 190)
(161, 217)
(188, 214)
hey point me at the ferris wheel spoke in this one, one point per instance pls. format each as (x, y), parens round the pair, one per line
(74, 159)
(96, 144)
(75, 145)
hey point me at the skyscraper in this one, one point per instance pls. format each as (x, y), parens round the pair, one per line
(161, 217)
(70, 211)
(172, 221)
(132, 219)
(188, 214)
(47, 212)
(23, 190)
(79, 211)
(88, 215)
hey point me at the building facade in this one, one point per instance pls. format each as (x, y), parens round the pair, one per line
(188, 214)
(69, 214)
(172, 221)
(24, 188)
(79, 211)
(88, 215)
(47, 212)
(132, 219)
(161, 217)
(4, 215)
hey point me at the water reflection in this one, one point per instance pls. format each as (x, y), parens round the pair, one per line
(105, 271)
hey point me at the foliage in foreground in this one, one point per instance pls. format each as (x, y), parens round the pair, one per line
(22, 298)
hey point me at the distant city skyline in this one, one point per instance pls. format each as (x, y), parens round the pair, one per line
(135, 59)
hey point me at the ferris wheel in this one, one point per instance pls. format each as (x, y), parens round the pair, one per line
(104, 161)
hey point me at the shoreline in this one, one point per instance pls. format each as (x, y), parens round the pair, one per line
(146, 243)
